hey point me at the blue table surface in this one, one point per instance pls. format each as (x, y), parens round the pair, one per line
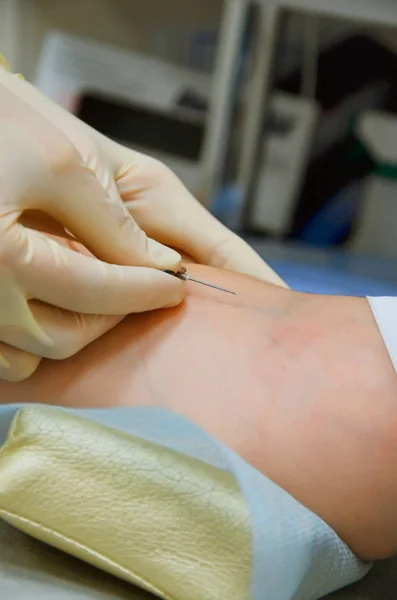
(329, 271)
(327, 280)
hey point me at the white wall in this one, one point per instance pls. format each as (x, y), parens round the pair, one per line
(122, 22)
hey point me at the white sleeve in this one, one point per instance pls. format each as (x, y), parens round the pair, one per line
(385, 313)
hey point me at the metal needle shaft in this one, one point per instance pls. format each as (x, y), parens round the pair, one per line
(187, 277)
(183, 275)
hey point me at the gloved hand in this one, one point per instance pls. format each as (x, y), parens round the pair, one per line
(52, 162)
(53, 299)
(155, 197)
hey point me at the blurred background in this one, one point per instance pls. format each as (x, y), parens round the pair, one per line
(279, 116)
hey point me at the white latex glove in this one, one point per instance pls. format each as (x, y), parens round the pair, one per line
(54, 300)
(55, 163)
(155, 197)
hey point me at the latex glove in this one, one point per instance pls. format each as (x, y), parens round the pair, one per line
(157, 200)
(54, 300)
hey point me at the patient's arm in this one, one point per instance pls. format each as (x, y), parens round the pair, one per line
(300, 386)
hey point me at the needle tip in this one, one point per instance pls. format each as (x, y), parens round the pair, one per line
(215, 287)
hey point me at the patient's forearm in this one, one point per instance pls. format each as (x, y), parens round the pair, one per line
(337, 423)
(300, 386)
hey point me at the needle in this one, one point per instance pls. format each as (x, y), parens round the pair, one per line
(187, 277)
(183, 275)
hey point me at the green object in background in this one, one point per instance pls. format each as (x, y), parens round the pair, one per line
(380, 169)
(386, 171)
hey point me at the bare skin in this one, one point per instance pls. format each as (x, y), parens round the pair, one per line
(300, 386)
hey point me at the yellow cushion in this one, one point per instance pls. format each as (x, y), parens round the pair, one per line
(159, 519)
